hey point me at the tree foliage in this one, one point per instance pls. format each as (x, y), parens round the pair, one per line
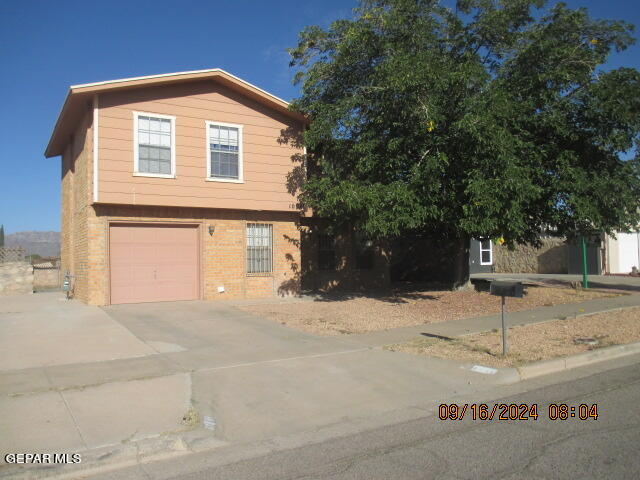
(490, 119)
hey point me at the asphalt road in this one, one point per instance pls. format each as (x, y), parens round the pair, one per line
(428, 447)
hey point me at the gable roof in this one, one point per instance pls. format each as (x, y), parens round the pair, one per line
(80, 95)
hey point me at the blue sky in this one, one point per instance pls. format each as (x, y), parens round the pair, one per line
(45, 46)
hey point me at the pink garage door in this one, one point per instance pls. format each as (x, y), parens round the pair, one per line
(153, 263)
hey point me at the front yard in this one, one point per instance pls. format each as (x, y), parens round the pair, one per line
(335, 314)
(531, 343)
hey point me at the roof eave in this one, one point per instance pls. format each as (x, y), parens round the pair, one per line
(48, 153)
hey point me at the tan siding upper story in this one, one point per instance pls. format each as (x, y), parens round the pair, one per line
(267, 159)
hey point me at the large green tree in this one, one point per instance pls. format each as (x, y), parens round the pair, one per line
(491, 119)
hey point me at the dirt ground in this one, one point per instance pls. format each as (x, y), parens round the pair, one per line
(531, 343)
(334, 315)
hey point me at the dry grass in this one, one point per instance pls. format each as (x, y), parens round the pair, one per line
(335, 315)
(531, 343)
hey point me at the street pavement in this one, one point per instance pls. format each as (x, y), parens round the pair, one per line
(427, 447)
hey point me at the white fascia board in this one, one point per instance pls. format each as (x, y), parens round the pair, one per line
(162, 75)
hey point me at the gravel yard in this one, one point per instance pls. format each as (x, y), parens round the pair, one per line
(334, 315)
(531, 343)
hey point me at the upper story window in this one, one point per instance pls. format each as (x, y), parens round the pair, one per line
(224, 148)
(154, 145)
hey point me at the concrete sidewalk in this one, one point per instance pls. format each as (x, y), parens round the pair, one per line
(467, 326)
(618, 282)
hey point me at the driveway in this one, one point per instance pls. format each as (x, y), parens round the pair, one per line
(198, 334)
(78, 378)
(258, 379)
(45, 329)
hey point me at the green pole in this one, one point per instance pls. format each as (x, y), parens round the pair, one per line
(585, 273)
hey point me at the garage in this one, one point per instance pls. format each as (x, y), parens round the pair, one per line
(153, 263)
(628, 251)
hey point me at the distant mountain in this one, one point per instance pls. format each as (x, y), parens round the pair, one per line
(45, 244)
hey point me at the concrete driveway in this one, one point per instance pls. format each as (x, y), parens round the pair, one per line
(258, 379)
(79, 378)
(199, 334)
(45, 329)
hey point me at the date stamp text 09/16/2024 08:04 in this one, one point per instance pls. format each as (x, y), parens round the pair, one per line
(516, 411)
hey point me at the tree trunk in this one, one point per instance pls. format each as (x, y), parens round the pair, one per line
(461, 280)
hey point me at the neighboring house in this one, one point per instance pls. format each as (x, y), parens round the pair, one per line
(622, 253)
(480, 256)
(553, 255)
(175, 187)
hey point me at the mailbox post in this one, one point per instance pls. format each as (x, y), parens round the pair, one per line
(505, 289)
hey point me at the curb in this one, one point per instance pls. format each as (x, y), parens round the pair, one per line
(114, 457)
(554, 365)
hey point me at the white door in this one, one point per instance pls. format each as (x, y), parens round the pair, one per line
(628, 246)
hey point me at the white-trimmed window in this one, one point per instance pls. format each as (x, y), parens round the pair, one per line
(486, 252)
(259, 248)
(224, 152)
(154, 145)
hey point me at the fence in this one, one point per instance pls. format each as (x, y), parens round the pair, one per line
(46, 274)
(16, 275)
(11, 254)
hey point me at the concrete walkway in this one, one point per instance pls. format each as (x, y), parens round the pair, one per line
(468, 326)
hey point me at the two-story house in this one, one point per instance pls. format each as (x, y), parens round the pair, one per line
(174, 187)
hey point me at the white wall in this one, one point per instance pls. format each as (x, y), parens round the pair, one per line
(623, 252)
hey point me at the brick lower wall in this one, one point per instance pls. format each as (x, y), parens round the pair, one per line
(345, 276)
(77, 177)
(223, 254)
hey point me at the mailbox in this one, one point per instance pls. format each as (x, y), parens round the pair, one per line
(506, 289)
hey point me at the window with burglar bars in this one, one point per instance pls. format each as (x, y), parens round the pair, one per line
(225, 151)
(326, 252)
(154, 145)
(259, 248)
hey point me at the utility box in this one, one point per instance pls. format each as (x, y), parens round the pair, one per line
(503, 288)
